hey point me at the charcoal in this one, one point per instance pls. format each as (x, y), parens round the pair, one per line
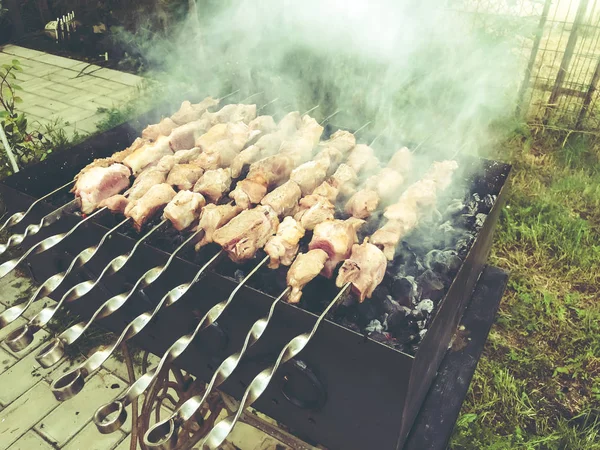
(425, 306)
(422, 333)
(367, 312)
(239, 275)
(384, 338)
(421, 325)
(390, 306)
(374, 326)
(404, 290)
(431, 284)
(488, 201)
(402, 327)
(463, 244)
(350, 324)
(457, 206)
(442, 261)
(479, 220)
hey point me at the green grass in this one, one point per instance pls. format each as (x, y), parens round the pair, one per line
(538, 384)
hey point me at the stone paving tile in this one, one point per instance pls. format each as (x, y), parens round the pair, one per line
(91, 439)
(13, 288)
(121, 77)
(6, 360)
(37, 110)
(22, 414)
(125, 444)
(21, 51)
(57, 60)
(72, 415)
(31, 441)
(74, 115)
(89, 125)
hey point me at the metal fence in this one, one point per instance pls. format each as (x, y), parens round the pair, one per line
(559, 41)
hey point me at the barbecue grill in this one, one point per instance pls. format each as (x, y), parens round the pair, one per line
(344, 390)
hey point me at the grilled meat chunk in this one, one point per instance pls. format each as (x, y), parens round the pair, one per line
(325, 189)
(214, 217)
(365, 269)
(388, 236)
(266, 145)
(189, 112)
(282, 247)
(99, 183)
(232, 113)
(263, 124)
(290, 123)
(363, 160)
(336, 238)
(362, 204)
(214, 184)
(310, 174)
(120, 156)
(146, 155)
(184, 137)
(312, 210)
(332, 156)
(386, 183)
(184, 209)
(184, 176)
(116, 203)
(304, 269)
(156, 198)
(344, 179)
(186, 156)
(342, 140)
(441, 174)
(283, 199)
(149, 177)
(401, 161)
(247, 232)
(162, 128)
(248, 193)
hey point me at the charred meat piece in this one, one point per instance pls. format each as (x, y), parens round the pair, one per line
(247, 232)
(312, 210)
(326, 190)
(365, 269)
(304, 269)
(148, 154)
(310, 174)
(362, 204)
(184, 176)
(283, 199)
(344, 179)
(401, 161)
(99, 183)
(116, 203)
(363, 160)
(214, 217)
(184, 209)
(162, 128)
(155, 199)
(342, 140)
(336, 238)
(189, 112)
(248, 193)
(214, 184)
(282, 247)
(386, 183)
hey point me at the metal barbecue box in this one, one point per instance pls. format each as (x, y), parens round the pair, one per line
(344, 391)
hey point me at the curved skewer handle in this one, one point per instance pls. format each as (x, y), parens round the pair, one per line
(33, 229)
(71, 383)
(176, 349)
(164, 434)
(52, 283)
(217, 435)
(19, 216)
(52, 352)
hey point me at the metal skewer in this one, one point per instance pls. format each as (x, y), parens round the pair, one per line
(164, 434)
(42, 246)
(179, 346)
(19, 216)
(259, 384)
(20, 338)
(52, 283)
(329, 116)
(52, 352)
(71, 383)
(33, 229)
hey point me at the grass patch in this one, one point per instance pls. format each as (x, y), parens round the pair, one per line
(538, 384)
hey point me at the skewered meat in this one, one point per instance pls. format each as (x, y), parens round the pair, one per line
(386, 183)
(310, 174)
(208, 161)
(214, 217)
(148, 154)
(214, 184)
(304, 269)
(283, 199)
(116, 203)
(365, 269)
(162, 128)
(264, 124)
(404, 211)
(184, 209)
(336, 238)
(248, 193)
(333, 156)
(401, 161)
(290, 123)
(312, 210)
(247, 232)
(232, 113)
(186, 156)
(420, 194)
(388, 236)
(362, 204)
(184, 136)
(212, 136)
(327, 190)
(184, 176)
(282, 247)
(311, 129)
(362, 159)
(266, 145)
(120, 156)
(342, 140)
(344, 179)
(156, 198)
(189, 112)
(441, 173)
(99, 183)
(149, 177)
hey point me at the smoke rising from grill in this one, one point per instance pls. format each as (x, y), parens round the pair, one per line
(412, 68)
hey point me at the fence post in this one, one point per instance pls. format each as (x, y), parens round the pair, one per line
(566, 60)
(534, 51)
(588, 96)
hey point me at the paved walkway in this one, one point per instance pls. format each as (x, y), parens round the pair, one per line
(60, 88)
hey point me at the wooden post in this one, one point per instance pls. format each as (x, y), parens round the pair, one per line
(533, 56)
(566, 61)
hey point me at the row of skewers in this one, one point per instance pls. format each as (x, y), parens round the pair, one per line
(248, 184)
